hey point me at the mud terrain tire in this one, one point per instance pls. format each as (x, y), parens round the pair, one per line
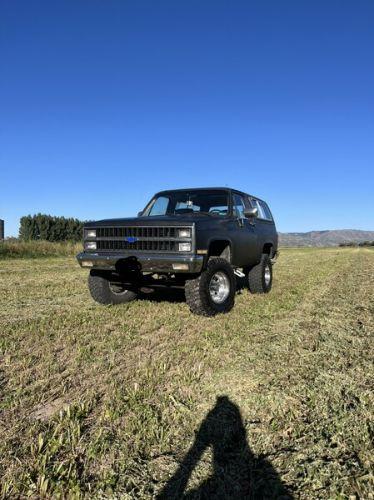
(260, 277)
(214, 290)
(105, 292)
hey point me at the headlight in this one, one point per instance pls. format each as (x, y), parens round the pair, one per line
(184, 233)
(90, 233)
(90, 245)
(185, 247)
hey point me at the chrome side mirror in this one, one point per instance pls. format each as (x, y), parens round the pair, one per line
(251, 213)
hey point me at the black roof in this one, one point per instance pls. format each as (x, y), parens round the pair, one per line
(208, 189)
(197, 189)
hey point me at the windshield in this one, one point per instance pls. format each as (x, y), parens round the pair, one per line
(214, 202)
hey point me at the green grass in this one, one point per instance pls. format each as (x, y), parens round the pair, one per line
(105, 401)
(16, 249)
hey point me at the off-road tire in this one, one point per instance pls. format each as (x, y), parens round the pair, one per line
(197, 290)
(256, 276)
(101, 291)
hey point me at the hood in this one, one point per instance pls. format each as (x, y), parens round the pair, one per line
(165, 220)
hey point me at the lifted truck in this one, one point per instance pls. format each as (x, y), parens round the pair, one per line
(198, 239)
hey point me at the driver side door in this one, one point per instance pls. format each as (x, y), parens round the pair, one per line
(244, 235)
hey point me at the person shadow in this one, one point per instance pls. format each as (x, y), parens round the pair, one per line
(237, 472)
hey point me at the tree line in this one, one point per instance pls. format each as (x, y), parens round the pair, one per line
(50, 228)
(355, 244)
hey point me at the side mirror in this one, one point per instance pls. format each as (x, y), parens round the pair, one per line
(140, 213)
(251, 213)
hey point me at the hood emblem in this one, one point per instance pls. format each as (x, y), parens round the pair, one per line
(131, 239)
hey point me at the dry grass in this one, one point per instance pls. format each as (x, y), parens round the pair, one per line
(15, 249)
(105, 401)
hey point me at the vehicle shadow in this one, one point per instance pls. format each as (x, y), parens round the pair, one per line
(237, 473)
(174, 295)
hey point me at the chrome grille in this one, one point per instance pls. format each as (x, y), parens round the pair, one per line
(137, 232)
(140, 246)
(154, 239)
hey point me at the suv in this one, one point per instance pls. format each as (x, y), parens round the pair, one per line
(197, 239)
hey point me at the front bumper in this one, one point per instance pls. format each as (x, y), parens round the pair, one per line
(149, 262)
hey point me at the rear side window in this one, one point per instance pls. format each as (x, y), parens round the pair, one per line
(263, 210)
(266, 211)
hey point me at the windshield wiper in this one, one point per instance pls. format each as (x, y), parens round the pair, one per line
(205, 213)
(195, 213)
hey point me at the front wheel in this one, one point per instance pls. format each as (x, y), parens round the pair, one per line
(105, 291)
(260, 277)
(213, 291)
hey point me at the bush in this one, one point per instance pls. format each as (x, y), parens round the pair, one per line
(49, 228)
(14, 248)
(354, 244)
(366, 244)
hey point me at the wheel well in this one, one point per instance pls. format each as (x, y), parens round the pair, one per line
(220, 248)
(268, 249)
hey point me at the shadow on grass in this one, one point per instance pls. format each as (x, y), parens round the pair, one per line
(237, 472)
(174, 295)
(177, 295)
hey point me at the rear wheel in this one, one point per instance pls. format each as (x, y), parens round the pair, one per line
(213, 291)
(260, 277)
(105, 291)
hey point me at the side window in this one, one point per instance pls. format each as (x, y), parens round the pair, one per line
(160, 206)
(266, 211)
(238, 206)
(250, 203)
(263, 210)
(255, 204)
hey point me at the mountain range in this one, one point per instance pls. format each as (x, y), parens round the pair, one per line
(327, 238)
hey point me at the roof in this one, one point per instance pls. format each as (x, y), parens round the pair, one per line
(209, 189)
(197, 189)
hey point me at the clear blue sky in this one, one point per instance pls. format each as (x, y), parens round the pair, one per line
(104, 102)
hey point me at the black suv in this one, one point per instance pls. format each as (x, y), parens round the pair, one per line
(198, 239)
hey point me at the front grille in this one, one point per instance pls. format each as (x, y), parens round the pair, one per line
(146, 238)
(137, 232)
(140, 246)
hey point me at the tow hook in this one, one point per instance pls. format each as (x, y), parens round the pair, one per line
(239, 273)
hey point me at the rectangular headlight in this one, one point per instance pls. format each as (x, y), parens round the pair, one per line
(90, 245)
(185, 247)
(184, 233)
(90, 233)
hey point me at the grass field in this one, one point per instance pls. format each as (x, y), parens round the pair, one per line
(145, 399)
(17, 249)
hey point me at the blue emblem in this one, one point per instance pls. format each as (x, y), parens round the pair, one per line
(131, 239)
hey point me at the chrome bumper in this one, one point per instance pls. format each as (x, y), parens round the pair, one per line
(149, 262)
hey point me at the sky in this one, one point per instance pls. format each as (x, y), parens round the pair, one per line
(105, 102)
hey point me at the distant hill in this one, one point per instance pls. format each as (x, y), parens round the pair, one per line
(324, 238)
